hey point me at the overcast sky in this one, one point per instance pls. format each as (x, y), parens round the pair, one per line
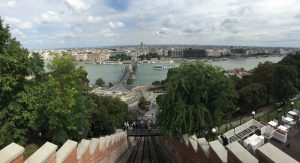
(82, 23)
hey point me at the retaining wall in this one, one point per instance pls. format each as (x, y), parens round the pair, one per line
(97, 150)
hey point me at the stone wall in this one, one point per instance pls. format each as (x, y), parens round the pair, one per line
(104, 149)
(197, 150)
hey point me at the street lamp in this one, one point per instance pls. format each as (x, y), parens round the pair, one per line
(214, 130)
(253, 113)
(292, 104)
(80, 132)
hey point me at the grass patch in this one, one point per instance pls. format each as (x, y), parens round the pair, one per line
(34, 143)
(30, 149)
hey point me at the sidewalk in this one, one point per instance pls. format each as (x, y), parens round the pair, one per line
(260, 112)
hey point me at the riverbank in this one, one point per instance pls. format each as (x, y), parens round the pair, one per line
(146, 75)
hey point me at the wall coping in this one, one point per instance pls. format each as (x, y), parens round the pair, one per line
(42, 154)
(185, 138)
(219, 150)
(241, 153)
(82, 147)
(11, 152)
(204, 146)
(93, 146)
(273, 154)
(107, 141)
(102, 143)
(64, 152)
(193, 142)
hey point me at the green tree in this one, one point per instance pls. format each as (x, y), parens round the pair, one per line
(108, 114)
(14, 66)
(150, 55)
(143, 103)
(292, 60)
(100, 82)
(251, 96)
(197, 97)
(37, 65)
(66, 110)
(264, 74)
(285, 82)
(156, 83)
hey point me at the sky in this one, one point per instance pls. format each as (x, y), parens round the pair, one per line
(46, 24)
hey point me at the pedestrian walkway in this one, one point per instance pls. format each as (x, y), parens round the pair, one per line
(260, 112)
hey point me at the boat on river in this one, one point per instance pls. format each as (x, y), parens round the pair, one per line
(161, 67)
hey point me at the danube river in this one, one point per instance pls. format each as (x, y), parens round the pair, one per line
(145, 74)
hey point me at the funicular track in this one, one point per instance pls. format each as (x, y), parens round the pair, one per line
(146, 151)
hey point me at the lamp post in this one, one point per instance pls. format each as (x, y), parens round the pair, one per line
(292, 104)
(213, 130)
(80, 132)
(241, 119)
(284, 110)
(253, 113)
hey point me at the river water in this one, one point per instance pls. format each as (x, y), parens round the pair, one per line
(145, 74)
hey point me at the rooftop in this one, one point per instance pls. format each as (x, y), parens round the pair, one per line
(292, 146)
(283, 138)
(273, 154)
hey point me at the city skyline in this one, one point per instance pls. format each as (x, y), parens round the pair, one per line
(77, 23)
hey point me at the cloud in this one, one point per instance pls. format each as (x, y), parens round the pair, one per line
(18, 23)
(169, 21)
(50, 17)
(192, 29)
(255, 22)
(67, 36)
(120, 5)
(11, 3)
(230, 25)
(163, 31)
(16, 32)
(78, 5)
(115, 25)
(92, 19)
(107, 33)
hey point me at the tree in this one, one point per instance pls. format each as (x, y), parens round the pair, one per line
(14, 66)
(285, 82)
(66, 110)
(156, 83)
(100, 82)
(110, 84)
(37, 65)
(264, 74)
(150, 55)
(143, 103)
(107, 114)
(197, 98)
(292, 60)
(251, 96)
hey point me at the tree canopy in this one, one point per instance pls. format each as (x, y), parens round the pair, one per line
(55, 105)
(107, 114)
(196, 98)
(14, 66)
(100, 82)
(149, 55)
